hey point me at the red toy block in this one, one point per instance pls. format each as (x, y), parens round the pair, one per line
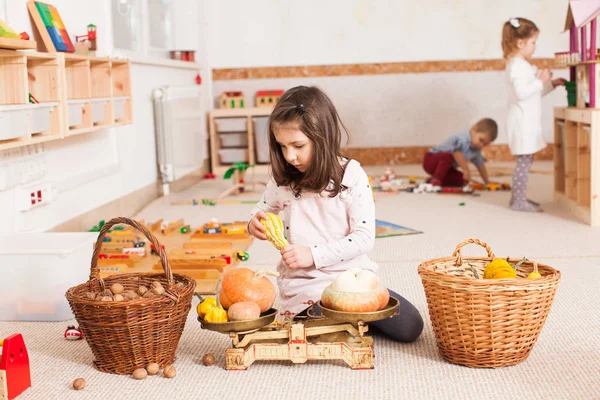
(15, 375)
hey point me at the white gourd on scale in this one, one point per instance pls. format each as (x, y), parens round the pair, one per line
(355, 290)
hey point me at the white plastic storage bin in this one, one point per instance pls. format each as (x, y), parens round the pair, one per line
(119, 107)
(75, 110)
(98, 110)
(13, 121)
(230, 156)
(261, 135)
(231, 124)
(234, 139)
(37, 270)
(39, 117)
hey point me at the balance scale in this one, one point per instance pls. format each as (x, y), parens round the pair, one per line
(335, 335)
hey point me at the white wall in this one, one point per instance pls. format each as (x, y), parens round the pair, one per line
(399, 110)
(96, 168)
(395, 109)
(313, 32)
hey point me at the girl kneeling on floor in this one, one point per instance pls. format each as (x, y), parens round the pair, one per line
(327, 207)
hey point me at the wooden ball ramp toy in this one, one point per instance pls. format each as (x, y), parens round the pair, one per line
(333, 335)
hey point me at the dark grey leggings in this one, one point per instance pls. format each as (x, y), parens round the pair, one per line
(405, 327)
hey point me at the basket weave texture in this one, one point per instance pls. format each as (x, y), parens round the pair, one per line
(486, 323)
(131, 334)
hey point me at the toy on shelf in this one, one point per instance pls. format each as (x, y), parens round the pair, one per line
(237, 172)
(10, 39)
(86, 44)
(15, 375)
(268, 98)
(232, 100)
(581, 59)
(50, 27)
(183, 55)
(33, 100)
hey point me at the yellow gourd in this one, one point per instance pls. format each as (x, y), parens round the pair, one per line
(499, 269)
(216, 314)
(274, 230)
(205, 306)
(534, 275)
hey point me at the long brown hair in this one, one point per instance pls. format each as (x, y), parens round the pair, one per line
(522, 29)
(317, 118)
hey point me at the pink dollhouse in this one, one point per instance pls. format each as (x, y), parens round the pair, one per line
(581, 59)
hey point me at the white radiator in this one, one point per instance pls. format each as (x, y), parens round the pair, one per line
(181, 140)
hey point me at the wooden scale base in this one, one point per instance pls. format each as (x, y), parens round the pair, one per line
(333, 336)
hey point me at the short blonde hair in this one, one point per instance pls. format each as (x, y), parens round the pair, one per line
(519, 29)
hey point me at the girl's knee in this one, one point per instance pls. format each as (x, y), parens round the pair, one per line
(412, 331)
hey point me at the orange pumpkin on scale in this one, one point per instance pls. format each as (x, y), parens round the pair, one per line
(355, 290)
(243, 284)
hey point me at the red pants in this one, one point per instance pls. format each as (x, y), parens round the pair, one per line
(439, 166)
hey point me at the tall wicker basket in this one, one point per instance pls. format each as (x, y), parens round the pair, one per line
(486, 323)
(131, 334)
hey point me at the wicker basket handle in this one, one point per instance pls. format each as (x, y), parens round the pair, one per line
(458, 255)
(95, 271)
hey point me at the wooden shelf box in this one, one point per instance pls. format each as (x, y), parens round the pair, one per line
(22, 74)
(78, 93)
(75, 94)
(576, 162)
(238, 119)
(44, 84)
(121, 91)
(100, 72)
(13, 99)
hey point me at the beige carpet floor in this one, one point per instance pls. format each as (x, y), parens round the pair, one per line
(564, 364)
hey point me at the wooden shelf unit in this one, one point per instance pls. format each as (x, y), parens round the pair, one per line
(67, 87)
(121, 86)
(217, 167)
(22, 74)
(576, 162)
(44, 83)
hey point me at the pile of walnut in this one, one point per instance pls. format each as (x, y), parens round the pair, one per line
(118, 293)
(152, 369)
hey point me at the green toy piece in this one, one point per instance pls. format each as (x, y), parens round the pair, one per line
(241, 167)
(97, 228)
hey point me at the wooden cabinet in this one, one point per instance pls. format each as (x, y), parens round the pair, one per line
(49, 96)
(576, 162)
(221, 158)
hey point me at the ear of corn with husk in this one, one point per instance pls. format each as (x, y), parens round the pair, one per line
(274, 230)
